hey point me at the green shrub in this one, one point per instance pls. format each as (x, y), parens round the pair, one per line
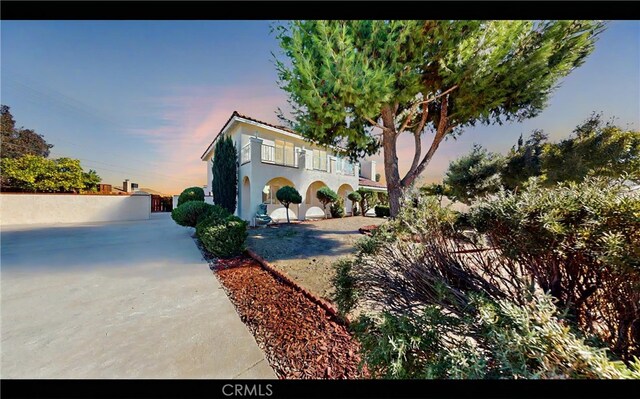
(581, 243)
(382, 211)
(431, 309)
(355, 198)
(344, 294)
(191, 194)
(224, 239)
(509, 341)
(368, 199)
(190, 213)
(215, 215)
(326, 196)
(337, 208)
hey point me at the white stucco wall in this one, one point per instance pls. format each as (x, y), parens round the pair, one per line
(260, 173)
(18, 209)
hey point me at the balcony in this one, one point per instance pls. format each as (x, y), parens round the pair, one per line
(289, 156)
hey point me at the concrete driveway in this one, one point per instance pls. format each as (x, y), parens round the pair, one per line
(117, 300)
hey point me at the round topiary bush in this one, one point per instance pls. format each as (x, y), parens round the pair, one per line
(224, 239)
(191, 194)
(190, 213)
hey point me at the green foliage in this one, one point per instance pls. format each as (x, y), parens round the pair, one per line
(581, 243)
(382, 211)
(326, 196)
(215, 214)
(17, 142)
(191, 194)
(494, 339)
(288, 195)
(474, 175)
(344, 77)
(523, 161)
(596, 149)
(224, 186)
(355, 198)
(367, 199)
(33, 173)
(337, 208)
(190, 213)
(224, 239)
(430, 311)
(90, 180)
(382, 198)
(437, 189)
(342, 280)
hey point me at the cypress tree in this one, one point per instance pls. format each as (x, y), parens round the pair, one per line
(224, 186)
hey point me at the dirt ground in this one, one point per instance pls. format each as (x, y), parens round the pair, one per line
(307, 250)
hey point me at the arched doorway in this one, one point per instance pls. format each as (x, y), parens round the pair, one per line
(245, 198)
(343, 192)
(313, 207)
(274, 208)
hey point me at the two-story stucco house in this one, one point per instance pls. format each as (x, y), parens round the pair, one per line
(275, 156)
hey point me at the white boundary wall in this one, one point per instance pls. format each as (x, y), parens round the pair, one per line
(19, 209)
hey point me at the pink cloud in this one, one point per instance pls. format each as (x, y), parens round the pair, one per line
(191, 118)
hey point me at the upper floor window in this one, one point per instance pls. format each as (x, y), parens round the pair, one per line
(319, 160)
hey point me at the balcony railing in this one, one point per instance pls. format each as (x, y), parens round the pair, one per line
(245, 154)
(278, 156)
(284, 156)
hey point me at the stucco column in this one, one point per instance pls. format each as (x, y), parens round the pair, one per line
(255, 178)
(256, 149)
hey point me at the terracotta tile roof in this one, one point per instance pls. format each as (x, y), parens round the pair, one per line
(370, 183)
(239, 115)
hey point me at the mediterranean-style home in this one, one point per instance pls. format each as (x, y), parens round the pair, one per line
(274, 156)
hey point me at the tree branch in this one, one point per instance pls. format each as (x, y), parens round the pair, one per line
(374, 123)
(418, 139)
(444, 93)
(441, 132)
(414, 107)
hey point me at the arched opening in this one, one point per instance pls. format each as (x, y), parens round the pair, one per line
(274, 208)
(343, 192)
(245, 198)
(313, 207)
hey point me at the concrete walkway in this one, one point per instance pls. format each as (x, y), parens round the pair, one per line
(117, 300)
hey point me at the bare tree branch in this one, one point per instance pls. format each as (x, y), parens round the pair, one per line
(418, 139)
(441, 132)
(444, 93)
(374, 123)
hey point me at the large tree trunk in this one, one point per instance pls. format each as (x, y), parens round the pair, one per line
(394, 185)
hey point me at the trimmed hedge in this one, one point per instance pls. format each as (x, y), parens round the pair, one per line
(215, 215)
(382, 210)
(191, 194)
(224, 238)
(190, 213)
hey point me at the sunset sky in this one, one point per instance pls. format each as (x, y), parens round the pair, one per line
(143, 99)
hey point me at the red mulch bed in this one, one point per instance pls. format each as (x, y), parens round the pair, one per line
(368, 229)
(301, 340)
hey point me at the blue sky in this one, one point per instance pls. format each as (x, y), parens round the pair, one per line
(142, 99)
